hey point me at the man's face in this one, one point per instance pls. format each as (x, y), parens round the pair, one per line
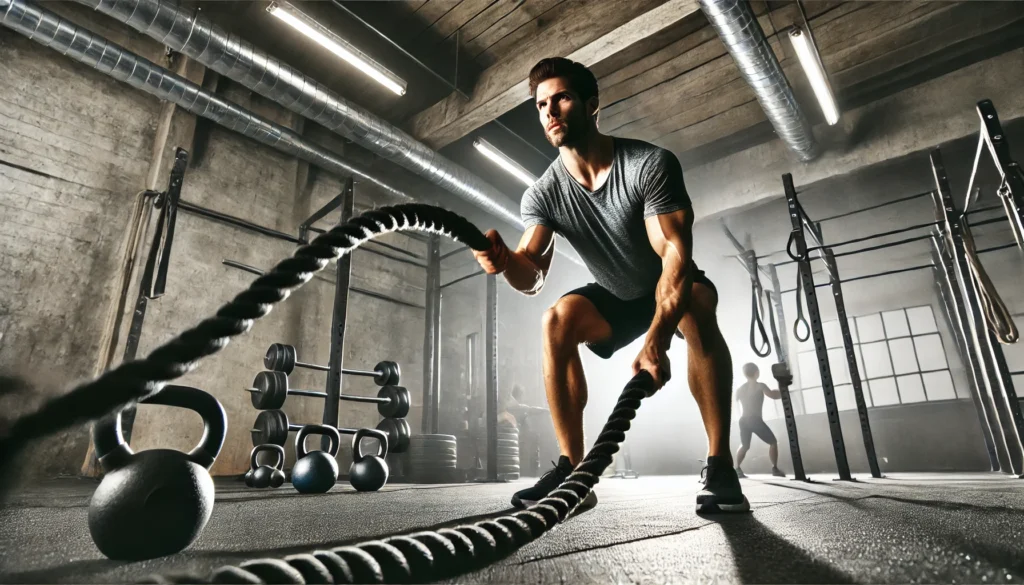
(563, 115)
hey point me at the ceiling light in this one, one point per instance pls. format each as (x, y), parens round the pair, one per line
(308, 26)
(808, 56)
(503, 161)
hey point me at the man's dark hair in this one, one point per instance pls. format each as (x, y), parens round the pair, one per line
(581, 80)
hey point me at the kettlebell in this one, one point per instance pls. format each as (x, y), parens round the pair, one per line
(156, 502)
(369, 473)
(315, 472)
(262, 476)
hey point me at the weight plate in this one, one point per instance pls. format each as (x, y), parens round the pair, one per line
(271, 426)
(432, 452)
(428, 461)
(280, 358)
(429, 437)
(271, 390)
(397, 430)
(388, 373)
(432, 446)
(398, 407)
(433, 465)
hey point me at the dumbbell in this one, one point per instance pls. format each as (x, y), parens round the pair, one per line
(270, 389)
(272, 427)
(283, 358)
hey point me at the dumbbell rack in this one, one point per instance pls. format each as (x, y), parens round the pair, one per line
(346, 202)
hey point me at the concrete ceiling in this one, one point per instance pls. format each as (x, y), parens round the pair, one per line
(665, 76)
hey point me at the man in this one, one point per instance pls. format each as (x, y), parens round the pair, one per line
(623, 206)
(751, 398)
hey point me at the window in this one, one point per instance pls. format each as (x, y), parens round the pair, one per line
(900, 357)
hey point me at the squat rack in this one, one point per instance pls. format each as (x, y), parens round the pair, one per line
(992, 386)
(966, 289)
(749, 261)
(432, 346)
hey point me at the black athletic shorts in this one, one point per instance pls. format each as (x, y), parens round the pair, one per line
(755, 425)
(629, 319)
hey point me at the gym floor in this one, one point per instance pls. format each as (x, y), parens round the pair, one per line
(905, 528)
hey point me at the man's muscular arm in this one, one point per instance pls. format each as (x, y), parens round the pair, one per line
(773, 394)
(672, 238)
(527, 266)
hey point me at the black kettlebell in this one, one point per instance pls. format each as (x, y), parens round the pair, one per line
(262, 476)
(315, 472)
(155, 503)
(369, 473)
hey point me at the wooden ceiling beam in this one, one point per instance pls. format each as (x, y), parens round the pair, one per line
(504, 85)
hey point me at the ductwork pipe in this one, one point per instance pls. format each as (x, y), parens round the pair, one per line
(736, 25)
(194, 35)
(48, 29)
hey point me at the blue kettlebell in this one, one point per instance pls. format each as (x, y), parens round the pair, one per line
(369, 473)
(315, 472)
(156, 502)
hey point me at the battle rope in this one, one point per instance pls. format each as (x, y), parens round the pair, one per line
(419, 557)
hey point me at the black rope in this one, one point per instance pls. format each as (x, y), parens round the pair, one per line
(414, 558)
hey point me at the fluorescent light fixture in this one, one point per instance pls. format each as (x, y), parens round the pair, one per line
(308, 26)
(503, 161)
(808, 56)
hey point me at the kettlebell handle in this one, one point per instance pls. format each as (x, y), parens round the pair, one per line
(114, 453)
(327, 430)
(267, 447)
(357, 446)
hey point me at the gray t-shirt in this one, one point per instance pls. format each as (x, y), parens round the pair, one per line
(606, 226)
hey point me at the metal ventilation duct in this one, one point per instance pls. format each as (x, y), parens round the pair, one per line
(194, 35)
(48, 29)
(735, 23)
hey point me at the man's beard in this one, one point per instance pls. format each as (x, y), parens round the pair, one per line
(570, 135)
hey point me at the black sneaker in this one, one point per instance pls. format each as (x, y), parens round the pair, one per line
(548, 483)
(721, 492)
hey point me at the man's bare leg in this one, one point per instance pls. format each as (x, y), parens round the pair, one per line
(709, 368)
(568, 323)
(773, 454)
(740, 454)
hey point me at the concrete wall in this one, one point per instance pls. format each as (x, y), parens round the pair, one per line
(76, 147)
(68, 183)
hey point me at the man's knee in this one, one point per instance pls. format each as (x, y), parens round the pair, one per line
(574, 320)
(700, 323)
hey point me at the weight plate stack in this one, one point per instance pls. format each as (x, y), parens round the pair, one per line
(431, 459)
(508, 452)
